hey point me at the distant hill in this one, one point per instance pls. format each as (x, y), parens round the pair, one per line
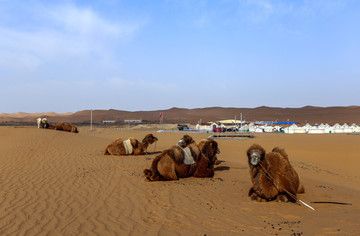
(331, 115)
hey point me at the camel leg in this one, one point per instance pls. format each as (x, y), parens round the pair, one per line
(203, 173)
(138, 151)
(202, 170)
(251, 191)
(281, 198)
(257, 198)
(254, 197)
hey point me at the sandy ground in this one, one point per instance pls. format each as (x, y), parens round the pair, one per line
(58, 183)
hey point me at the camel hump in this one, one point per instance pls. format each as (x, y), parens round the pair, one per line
(281, 151)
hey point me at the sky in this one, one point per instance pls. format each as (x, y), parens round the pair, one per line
(67, 56)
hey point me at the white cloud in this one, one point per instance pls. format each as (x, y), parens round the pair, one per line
(86, 21)
(63, 35)
(257, 10)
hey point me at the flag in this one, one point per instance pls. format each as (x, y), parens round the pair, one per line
(161, 115)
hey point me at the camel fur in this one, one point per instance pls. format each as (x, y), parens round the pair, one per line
(169, 165)
(271, 174)
(118, 148)
(65, 127)
(209, 147)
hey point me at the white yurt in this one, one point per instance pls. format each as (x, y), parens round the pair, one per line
(315, 130)
(337, 129)
(346, 128)
(259, 129)
(268, 129)
(290, 129)
(328, 129)
(355, 128)
(244, 128)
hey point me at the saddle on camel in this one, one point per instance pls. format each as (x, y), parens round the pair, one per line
(131, 146)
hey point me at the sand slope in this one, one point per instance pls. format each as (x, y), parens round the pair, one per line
(58, 183)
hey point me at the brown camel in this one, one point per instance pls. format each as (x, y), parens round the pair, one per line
(64, 127)
(130, 146)
(272, 175)
(209, 147)
(181, 161)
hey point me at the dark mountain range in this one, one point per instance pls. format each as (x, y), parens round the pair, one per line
(311, 114)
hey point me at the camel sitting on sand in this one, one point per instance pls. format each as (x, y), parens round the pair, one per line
(209, 147)
(64, 127)
(41, 122)
(272, 175)
(131, 146)
(181, 161)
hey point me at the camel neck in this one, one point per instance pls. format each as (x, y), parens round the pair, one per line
(145, 143)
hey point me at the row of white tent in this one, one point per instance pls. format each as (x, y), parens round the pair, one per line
(306, 129)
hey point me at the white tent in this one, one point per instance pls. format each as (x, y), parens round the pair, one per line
(315, 130)
(268, 129)
(355, 128)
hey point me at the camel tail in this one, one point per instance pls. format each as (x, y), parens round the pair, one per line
(301, 189)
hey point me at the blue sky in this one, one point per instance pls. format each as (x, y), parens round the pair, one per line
(66, 56)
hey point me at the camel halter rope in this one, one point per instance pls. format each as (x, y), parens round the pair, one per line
(155, 146)
(269, 176)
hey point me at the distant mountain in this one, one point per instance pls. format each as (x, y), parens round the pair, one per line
(311, 114)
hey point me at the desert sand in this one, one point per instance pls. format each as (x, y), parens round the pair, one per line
(59, 183)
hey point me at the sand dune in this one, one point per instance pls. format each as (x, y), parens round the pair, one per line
(59, 183)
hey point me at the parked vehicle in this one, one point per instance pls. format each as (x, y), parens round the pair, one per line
(232, 129)
(183, 127)
(219, 129)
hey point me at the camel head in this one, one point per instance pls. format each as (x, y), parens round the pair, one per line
(149, 139)
(185, 141)
(74, 129)
(210, 148)
(255, 154)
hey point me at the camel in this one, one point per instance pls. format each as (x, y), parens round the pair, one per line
(41, 122)
(64, 127)
(181, 161)
(272, 175)
(209, 147)
(130, 146)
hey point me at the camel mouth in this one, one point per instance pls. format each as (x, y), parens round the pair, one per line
(254, 159)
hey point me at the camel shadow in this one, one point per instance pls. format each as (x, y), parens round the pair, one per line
(152, 153)
(222, 168)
